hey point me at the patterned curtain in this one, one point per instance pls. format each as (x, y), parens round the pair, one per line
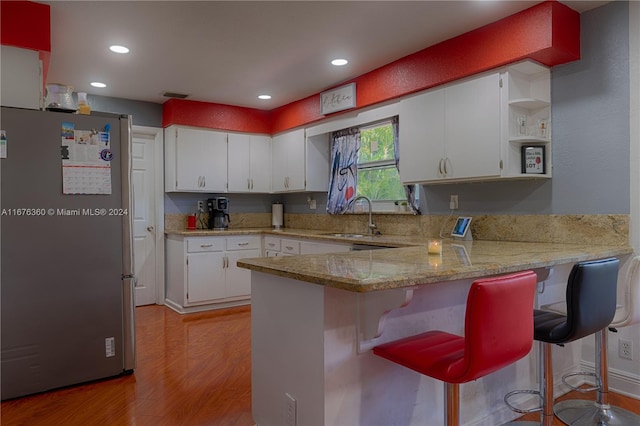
(410, 190)
(344, 170)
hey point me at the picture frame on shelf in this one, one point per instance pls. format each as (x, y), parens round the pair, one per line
(533, 160)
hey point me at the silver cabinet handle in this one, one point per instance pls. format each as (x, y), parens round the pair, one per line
(248, 183)
(251, 184)
(150, 228)
(204, 182)
(243, 244)
(206, 245)
(446, 169)
(271, 244)
(289, 247)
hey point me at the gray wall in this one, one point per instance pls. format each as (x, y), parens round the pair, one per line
(590, 131)
(143, 113)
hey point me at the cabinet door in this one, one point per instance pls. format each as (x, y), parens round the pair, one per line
(239, 163)
(278, 163)
(201, 160)
(296, 161)
(422, 137)
(288, 162)
(260, 159)
(205, 277)
(238, 281)
(312, 247)
(472, 127)
(216, 177)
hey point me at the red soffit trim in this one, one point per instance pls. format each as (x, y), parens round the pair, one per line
(215, 116)
(25, 24)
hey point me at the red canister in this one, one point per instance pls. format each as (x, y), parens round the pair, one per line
(191, 221)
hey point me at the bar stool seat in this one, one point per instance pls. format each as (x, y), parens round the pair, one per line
(590, 307)
(600, 412)
(498, 331)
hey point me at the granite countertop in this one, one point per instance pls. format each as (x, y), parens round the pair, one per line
(311, 234)
(389, 268)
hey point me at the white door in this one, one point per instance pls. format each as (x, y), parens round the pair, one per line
(145, 149)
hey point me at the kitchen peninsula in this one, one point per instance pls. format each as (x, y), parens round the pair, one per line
(316, 317)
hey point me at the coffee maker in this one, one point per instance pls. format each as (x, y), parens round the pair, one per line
(218, 213)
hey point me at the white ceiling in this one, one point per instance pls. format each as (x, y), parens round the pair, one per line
(231, 51)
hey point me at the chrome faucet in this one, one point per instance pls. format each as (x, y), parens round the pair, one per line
(371, 226)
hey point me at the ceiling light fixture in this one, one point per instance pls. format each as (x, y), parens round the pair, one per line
(339, 62)
(264, 97)
(98, 84)
(119, 49)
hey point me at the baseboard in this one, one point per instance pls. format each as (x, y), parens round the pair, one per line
(207, 307)
(621, 382)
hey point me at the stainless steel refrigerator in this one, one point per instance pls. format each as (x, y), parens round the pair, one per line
(66, 280)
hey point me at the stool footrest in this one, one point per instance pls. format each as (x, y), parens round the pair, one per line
(582, 373)
(520, 410)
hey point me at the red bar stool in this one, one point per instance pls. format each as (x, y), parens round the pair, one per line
(498, 331)
(591, 304)
(600, 412)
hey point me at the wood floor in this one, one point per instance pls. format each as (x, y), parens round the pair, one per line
(192, 370)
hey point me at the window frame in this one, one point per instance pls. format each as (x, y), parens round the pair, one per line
(381, 206)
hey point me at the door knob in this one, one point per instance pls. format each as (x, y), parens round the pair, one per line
(150, 228)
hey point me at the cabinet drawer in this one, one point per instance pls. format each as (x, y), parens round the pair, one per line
(290, 246)
(243, 243)
(272, 243)
(195, 245)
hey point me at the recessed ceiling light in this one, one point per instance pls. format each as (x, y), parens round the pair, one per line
(98, 84)
(265, 97)
(339, 62)
(119, 49)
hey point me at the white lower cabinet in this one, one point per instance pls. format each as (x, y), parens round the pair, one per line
(202, 272)
(274, 246)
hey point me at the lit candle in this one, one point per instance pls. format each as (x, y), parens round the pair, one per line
(435, 247)
(435, 261)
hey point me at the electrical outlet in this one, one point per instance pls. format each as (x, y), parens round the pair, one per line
(201, 206)
(453, 202)
(290, 413)
(625, 349)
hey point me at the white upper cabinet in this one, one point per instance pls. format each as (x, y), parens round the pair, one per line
(21, 83)
(472, 128)
(422, 137)
(478, 129)
(195, 160)
(249, 163)
(451, 133)
(288, 161)
(299, 164)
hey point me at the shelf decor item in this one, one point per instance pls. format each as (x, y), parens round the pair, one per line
(533, 160)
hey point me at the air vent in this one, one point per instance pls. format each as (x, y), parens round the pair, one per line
(175, 95)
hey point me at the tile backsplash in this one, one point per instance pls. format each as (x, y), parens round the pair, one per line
(579, 229)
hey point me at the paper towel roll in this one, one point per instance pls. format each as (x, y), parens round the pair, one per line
(277, 217)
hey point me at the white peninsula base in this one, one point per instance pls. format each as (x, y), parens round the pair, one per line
(310, 368)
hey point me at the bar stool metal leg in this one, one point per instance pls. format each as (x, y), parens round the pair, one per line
(452, 404)
(596, 413)
(544, 362)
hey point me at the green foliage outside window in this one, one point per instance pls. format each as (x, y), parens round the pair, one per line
(378, 177)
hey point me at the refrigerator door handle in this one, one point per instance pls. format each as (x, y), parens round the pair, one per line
(128, 267)
(129, 332)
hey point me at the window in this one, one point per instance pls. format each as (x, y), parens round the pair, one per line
(378, 176)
